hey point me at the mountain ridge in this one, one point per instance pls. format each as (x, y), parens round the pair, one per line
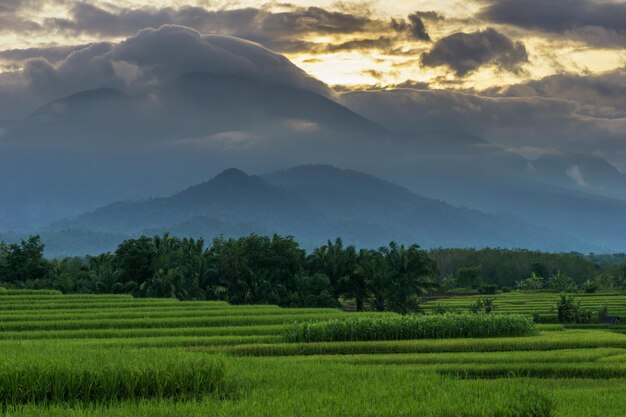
(314, 203)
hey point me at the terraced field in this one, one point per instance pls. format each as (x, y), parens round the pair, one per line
(115, 356)
(542, 304)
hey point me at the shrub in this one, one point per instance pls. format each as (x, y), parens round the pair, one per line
(410, 327)
(570, 311)
(603, 313)
(488, 289)
(483, 305)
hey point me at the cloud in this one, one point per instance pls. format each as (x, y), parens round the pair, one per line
(466, 52)
(52, 54)
(281, 31)
(144, 61)
(382, 42)
(418, 29)
(415, 26)
(529, 121)
(599, 96)
(576, 174)
(558, 15)
(593, 21)
(12, 17)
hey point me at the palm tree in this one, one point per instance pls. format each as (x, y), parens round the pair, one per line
(412, 274)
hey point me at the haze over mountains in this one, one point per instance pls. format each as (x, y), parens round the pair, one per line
(63, 165)
(312, 202)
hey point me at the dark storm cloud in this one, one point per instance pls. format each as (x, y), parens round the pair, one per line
(418, 29)
(599, 96)
(466, 52)
(579, 113)
(51, 54)
(430, 15)
(414, 25)
(596, 22)
(382, 42)
(276, 30)
(558, 15)
(142, 62)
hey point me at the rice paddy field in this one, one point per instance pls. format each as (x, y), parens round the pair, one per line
(540, 304)
(113, 355)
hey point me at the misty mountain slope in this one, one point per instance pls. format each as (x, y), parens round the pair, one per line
(314, 204)
(581, 172)
(82, 151)
(231, 196)
(191, 106)
(597, 220)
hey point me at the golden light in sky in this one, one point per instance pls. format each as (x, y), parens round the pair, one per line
(394, 62)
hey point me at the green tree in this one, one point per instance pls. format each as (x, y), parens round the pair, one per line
(561, 282)
(313, 291)
(24, 261)
(338, 263)
(534, 282)
(468, 276)
(135, 259)
(373, 268)
(411, 275)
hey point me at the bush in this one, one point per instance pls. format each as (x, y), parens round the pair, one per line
(603, 313)
(488, 289)
(570, 311)
(483, 305)
(410, 327)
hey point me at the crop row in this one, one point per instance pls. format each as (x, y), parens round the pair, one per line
(571, 339)
(58, 376)
(161, 313)
(410, 327)
(134, 333)
(247, 320)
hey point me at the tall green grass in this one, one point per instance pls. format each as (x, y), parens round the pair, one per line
(409, 327)
(29, 374)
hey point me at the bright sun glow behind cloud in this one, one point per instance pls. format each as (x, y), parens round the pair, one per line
(380, 66)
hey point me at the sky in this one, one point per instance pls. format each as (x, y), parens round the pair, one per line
(533, 76)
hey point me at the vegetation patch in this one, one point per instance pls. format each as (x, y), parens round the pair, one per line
(410, 327)
(57, 376)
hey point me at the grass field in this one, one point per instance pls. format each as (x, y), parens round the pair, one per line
(542, 304)
(118, 356)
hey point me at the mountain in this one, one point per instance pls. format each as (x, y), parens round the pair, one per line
(581, 172)
(315, 203)
(80, 152)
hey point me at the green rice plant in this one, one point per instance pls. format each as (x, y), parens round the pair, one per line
(52, 376)
(570, 339)
(146, 323)
(106, 314)
(10, 292)
(143, 333)
(409, 327)
(280, 388)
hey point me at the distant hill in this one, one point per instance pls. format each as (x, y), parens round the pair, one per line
(85, 150)
(79, 153)
(315, 203)
(581, 172)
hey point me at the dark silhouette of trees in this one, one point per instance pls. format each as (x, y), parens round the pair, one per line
(275, 270)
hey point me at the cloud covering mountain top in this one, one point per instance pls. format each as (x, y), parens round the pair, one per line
(144, 61)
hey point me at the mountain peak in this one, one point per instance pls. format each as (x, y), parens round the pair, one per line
(231, 174)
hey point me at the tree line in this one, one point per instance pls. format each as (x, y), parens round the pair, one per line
(248, 270)
(276, 270)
